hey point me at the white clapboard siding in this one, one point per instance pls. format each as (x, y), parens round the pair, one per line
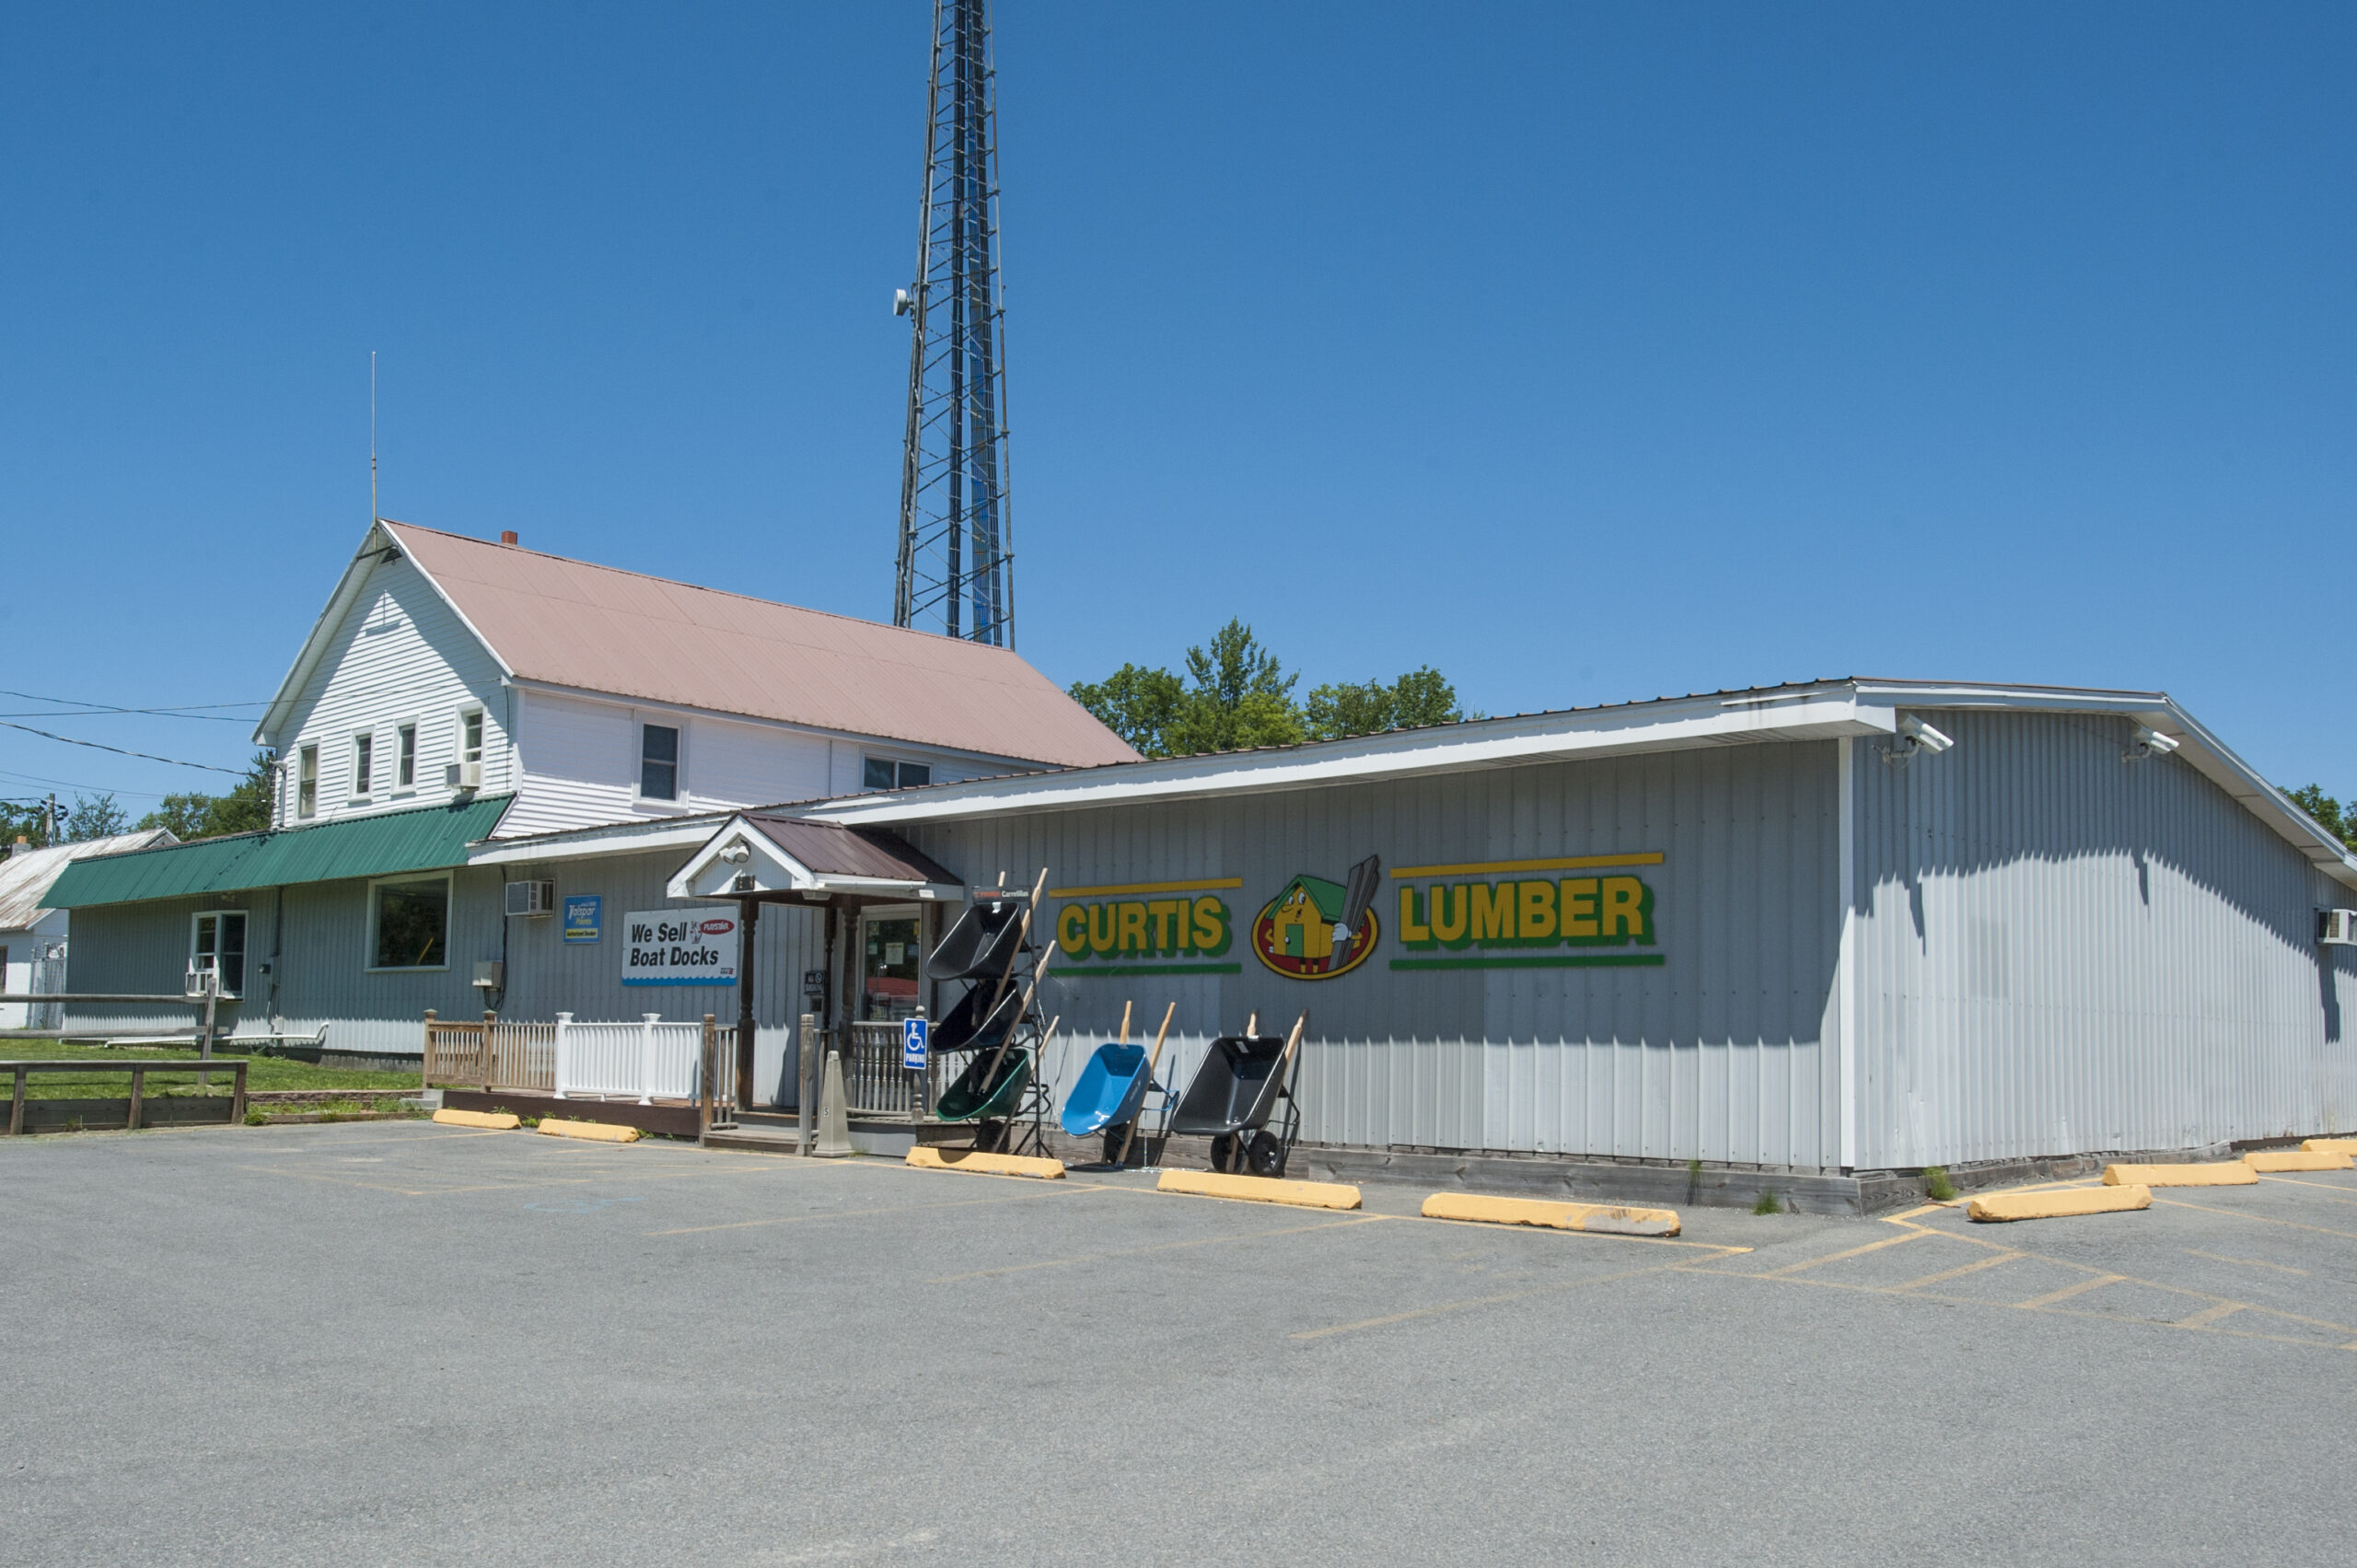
(401, 656)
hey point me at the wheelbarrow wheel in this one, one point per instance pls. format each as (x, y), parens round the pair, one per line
(990, 1137)
(1115, 1137)
(1223, 1152)
(1266, 1154)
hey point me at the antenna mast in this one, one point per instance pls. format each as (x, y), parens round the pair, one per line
(956, 538)
(374, 515)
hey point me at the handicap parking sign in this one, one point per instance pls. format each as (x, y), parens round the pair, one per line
(912, 1044)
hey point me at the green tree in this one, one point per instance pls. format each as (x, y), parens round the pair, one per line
(1136, 703)
(95, 818)
(1240, 696)
(2338, 818)
(1422, 696)
(196, 816)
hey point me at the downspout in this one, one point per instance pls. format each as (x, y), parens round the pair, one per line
(277, 934)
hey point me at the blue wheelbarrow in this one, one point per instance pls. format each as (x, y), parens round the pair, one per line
(1111, 1093)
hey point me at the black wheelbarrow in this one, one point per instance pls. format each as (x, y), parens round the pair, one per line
(1243, 1086)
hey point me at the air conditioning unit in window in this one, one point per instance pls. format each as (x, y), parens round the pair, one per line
(531, 898)
(463, 775)
(2336, 928)
(196, 983)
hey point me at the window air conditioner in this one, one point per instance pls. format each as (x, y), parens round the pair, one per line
(531, 898)
(463, 775)
(196, 982)
(2336, 928)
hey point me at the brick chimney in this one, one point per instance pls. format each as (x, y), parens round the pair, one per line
(507, 536)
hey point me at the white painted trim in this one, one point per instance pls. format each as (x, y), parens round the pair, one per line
(1846, 963)
(586, 843)
(773, 870)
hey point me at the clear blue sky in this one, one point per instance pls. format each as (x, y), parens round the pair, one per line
(1587, 353)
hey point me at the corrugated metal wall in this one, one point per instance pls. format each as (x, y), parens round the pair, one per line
(323, 974)
(1718, 1055)
(2062, 952)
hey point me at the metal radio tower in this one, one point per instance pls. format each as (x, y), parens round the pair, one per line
(957, 546)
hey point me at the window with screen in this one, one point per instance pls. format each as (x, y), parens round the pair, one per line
(659, 762)
(364, 764)
(882, 772)
(217, 946)
(405, 757)
(306, 782)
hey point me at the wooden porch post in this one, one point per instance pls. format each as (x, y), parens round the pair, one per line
(748, 918)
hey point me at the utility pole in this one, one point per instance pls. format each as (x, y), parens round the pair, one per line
(956, 568)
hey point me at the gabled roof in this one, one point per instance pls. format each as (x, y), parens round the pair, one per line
(425, 838)
(26, 879)
(570, 625)
(783, 854)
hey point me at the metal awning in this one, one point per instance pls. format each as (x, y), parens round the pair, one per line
(429, 838)
(760, 856)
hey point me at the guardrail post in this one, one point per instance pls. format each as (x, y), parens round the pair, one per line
(138, 1090)
(563, 1052)
(17, 1106)
(238, 1097)
(425, 1078)
(646, 1058)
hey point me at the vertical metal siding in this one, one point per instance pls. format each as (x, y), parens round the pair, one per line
(1717, 1055)
(2063, 952)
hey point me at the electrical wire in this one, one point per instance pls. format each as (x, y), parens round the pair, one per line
(120, 751)
(191, 710)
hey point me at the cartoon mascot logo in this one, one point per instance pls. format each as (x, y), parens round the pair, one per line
(1315, 929)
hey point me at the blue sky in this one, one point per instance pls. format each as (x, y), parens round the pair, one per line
(1587, 353)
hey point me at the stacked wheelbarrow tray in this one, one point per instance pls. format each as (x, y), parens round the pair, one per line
(990, 947)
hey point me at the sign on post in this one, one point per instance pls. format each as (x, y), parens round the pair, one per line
(915, 1036)
(679, 947)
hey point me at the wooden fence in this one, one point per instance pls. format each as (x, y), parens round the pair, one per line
(492, 1054)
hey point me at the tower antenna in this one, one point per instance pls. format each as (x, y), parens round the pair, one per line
(957, 553)
(374, 515)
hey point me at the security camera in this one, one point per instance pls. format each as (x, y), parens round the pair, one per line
(2148, 742)
(1924, 737)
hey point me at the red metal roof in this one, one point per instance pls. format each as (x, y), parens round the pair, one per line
(572, 623)
(832, 850)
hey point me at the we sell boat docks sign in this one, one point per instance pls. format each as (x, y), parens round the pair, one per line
(679, 947)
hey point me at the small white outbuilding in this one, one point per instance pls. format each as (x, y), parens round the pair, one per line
(33, 937)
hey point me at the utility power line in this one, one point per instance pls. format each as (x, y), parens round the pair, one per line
(120, 751)
(189, 711)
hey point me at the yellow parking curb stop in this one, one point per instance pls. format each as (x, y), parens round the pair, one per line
(928, 1156)
(2330, 1145)
(498, 1120)
(1259, 1188)
(2229, 1173)
(2296, 1159)
(596, 1132)
(2059, 1206)
(1608, 1219)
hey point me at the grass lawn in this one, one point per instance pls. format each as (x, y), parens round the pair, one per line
(265, 1073)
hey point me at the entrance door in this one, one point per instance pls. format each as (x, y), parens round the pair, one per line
(890, 950)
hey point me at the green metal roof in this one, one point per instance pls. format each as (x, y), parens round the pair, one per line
(426, 839)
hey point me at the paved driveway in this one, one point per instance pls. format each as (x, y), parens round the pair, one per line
(396, 1342)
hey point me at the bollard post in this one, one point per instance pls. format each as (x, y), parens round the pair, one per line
(490, 1020)
(425, 1073)
(563, 1052)
(646, 1058)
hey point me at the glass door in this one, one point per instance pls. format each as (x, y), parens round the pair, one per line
(890, 950)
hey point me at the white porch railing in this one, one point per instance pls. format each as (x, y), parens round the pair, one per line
(647, 1060)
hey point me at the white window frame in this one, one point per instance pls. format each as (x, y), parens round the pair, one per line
(306, 771)
(362, 793)
(246, 952)
(450, 918)
(678, 799)
(405, 730)
(459, 758)
(896, 765)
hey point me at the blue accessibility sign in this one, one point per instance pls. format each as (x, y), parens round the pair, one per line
(913, 1036)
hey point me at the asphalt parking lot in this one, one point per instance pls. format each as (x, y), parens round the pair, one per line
(398, 1343)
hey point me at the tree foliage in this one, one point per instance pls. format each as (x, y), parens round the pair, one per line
(2336, 817)
(243, 810)
(1236, 694)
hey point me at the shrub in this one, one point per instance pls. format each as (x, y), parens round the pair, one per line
(1936, 1185)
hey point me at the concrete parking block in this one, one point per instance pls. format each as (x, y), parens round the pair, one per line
(2296, 1159)
(1259, 1188)
(2331, 1147)
(1605, 1218)
(2224, 1173)
(595, 1131)
(497, 1120)
(2058, 1205)
(928, 1156)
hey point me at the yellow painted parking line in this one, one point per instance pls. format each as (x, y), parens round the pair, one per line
(2255, 1219)
(1972, 1268)
(1502, 1298)
(2341, 1194)
(1158, 1247)
(2209, 1315)
(2245, 1262)
(2067, 1292)
(1030, 1196)
(1852, 1252)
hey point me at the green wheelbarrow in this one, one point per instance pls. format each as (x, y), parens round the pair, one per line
(989, 1106)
